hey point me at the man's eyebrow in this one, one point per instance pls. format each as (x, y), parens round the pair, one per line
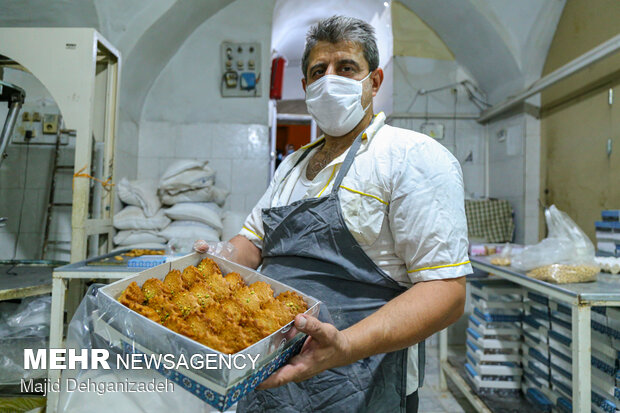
(349, 62)
(316, 66)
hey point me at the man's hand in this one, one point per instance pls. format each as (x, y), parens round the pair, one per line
(201, 246)
(325, 348)
(239, 249)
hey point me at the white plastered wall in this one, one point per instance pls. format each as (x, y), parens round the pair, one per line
(463, 137)
(185, 117)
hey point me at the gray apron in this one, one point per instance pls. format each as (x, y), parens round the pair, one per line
(308, 246)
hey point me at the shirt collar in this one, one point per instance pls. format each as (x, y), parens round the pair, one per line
(376, 124)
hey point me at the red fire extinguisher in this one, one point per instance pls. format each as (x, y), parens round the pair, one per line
(277, 77)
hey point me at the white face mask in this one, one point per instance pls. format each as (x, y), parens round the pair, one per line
(335, 103)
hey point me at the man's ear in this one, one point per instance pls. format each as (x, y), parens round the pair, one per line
(377, 79)
(303, 83)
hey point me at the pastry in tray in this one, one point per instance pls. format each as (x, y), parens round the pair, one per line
(138, 252)
(221, 312)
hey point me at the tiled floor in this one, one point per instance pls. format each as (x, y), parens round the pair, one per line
(432, 400)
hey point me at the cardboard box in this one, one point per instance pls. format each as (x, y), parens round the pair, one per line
(133, 333)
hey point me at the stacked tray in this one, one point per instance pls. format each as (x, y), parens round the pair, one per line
(535, 348)
(604, 358)
(560, 353)
(608, 233)
(536, 397)
(612, 316)
(494, 336)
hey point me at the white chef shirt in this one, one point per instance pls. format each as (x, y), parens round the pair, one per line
(402, 199)
(302, 185)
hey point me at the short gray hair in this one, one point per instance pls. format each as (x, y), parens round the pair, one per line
(340, 28)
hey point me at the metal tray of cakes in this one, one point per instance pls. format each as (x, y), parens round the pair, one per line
(132, 332)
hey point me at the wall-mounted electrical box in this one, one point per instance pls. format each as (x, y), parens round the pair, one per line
(50, 124)
(36, 126)
(240, 69)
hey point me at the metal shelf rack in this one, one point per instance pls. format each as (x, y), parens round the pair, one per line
(581, 297)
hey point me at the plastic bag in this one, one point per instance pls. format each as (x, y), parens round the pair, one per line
(504, 257)
(31, 318)
(566, 245)
(26, 326)
(81, 335)
(182, 246)
(12, 359)
(223, 249)
(101, 322)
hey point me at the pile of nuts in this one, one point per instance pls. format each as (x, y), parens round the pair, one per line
(563, 274)
(504, 261)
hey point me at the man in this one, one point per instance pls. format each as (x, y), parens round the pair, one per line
(370, 220)
(289, 150)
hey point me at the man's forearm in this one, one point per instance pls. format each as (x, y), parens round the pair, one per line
(424, 309)
(246, 253)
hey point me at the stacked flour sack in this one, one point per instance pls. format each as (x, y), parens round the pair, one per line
(141, 221)
(193, 203)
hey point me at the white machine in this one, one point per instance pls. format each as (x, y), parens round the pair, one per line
(81, 71)
(14, 96)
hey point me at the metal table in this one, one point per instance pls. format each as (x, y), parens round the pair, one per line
(24, 280)
(580, 296)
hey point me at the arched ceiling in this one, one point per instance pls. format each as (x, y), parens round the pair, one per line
(157, 45)
(46, 13)
(413, 37)
(499, 42)
(502, 43)
(123, 22)
(148, 34)
(472, 37)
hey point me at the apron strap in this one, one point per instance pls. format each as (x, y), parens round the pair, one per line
(421, 362)
(346, 165)
(348, 161)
